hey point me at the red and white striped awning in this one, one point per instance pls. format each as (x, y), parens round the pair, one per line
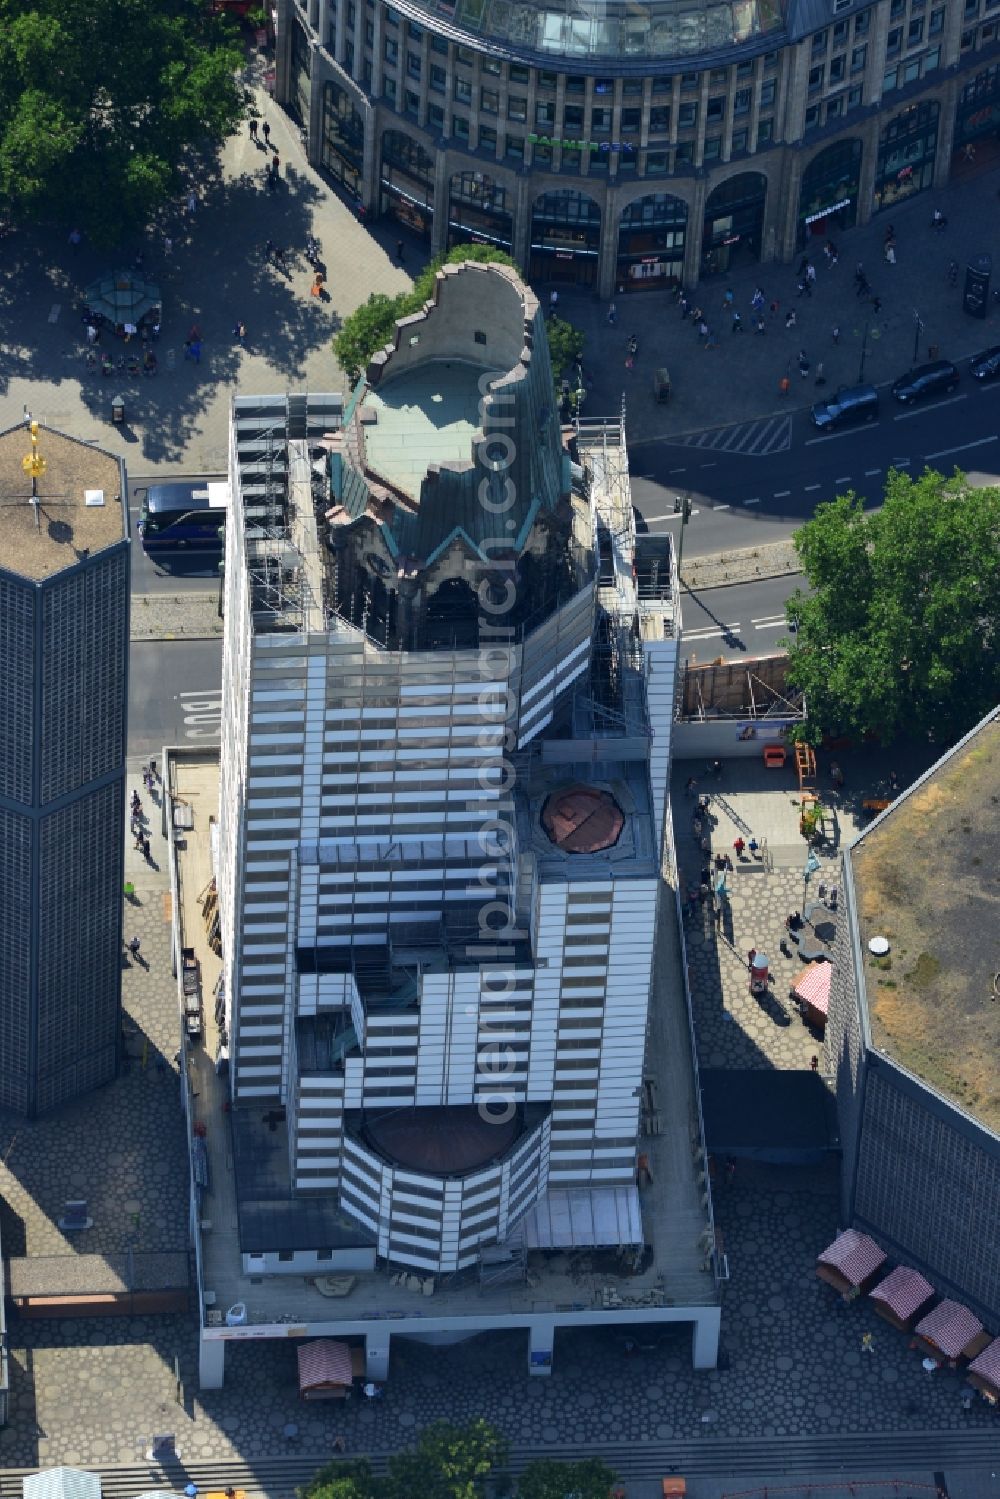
(950, 1326)
(853, 1255)
(812, 987)
(987, 1365)
(903, 1291)
(323, 1363)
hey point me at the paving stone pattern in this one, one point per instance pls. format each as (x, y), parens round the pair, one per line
(791, 1356)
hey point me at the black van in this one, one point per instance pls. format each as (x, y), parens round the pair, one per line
(852, 403)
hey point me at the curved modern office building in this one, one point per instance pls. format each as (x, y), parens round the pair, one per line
(623, 147)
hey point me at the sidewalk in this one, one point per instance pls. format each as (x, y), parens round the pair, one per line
(737, 379)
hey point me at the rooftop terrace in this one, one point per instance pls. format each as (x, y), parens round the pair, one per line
(925, 877)
(78, 508)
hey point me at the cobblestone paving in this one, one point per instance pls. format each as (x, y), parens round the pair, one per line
(791, 1365)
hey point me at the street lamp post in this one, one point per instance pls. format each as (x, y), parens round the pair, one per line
(918, 328)
(682, 507)
(864, 352)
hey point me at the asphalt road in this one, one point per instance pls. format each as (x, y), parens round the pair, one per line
(174, 572)
(740, 621)
(756, 482)
(175, 689)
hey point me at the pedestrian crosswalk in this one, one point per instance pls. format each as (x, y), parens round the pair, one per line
(770, 434)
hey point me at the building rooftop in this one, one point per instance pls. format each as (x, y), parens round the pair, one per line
(69, 520)
(925, 878)
(428, 416)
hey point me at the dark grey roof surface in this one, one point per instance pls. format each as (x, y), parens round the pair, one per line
(270, 1217)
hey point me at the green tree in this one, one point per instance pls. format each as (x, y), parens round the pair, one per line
(101, 101)
(448, 1462)
(369, 328)
(565, 346)
(341, 1480)
(899, 635)
(548, 1479)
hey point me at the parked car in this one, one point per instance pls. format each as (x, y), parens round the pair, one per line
(986, 366)
(926, 380)
(852, 403)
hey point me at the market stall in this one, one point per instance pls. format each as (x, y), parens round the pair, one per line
(327, 1369)
(851, 1263)
(812, 990)
(902, 1296)
(950, 1332)
(984, 1373)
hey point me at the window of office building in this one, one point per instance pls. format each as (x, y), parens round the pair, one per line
(828, 197)
(734, 223)
(651, 238)
(565, 238)
(906, 152)
(342, 142)
(407, 182)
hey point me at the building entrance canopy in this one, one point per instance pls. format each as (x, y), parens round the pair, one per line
(617, 31)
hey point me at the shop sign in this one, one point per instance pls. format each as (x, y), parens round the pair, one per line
(825, 212)
(732, 239)
(650, 260)
(551, 140)
(564, 254)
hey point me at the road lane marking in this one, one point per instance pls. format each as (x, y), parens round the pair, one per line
(781, 494)
(720, 507)
(811, 487)
(902, 463)
(829, 437)
(871, 472)
(754, 501)
(677, 471)
(710, 634)
(775, 624)
(919, 410)
(708, 465)
(767, 619)
(844, 479)
(202, 708)
(965, 446)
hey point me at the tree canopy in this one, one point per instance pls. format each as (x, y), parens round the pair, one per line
(101, 99)
(369, 328)
(899, 635)
(454, 1462)
(547, 1479)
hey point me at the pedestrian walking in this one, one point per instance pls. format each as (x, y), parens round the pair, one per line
(137, 841)
(276, 165)
(75, 238)
(145, 850)
(739, 845)
(761, 325)
(253, 129)
(752, 848)
(876, 305)
(803, 363)
(784, 385)
(697, 316)
(728, 299)
(240, 333)
(890, 254)
(689, 786)
(553, 295)
(133, 946)
(737, 323)
(867, 1343)
(802, 266)
(775, 305)
(890, 235)
(820, 376)
(267, 133)
(168, 246)
(191, 204)
(613, 312)
(814, 1064)
(790, 318)
(683, 306)
(835, 333)
(811, 273)
(192, 350)
(703, 329)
